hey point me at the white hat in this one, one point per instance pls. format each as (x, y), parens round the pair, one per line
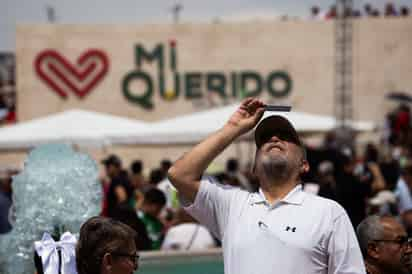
(383, 197)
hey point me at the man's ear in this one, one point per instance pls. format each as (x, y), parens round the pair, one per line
(373, 251)
(304, 168)
(107, 262)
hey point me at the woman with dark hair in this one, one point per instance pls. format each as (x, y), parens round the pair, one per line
(106, 246)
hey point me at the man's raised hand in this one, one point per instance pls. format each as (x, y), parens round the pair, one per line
(247, 115)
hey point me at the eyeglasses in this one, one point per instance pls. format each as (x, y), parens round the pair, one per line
(133, 257)
(402, 241)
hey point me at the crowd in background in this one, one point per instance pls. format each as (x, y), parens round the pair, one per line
(151, 206)
(390, 10)
(376, 180)
(7, 108)
(7, 91)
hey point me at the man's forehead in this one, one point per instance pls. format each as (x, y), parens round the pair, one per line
(393, 227)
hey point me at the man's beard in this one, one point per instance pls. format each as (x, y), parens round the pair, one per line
(275, 168)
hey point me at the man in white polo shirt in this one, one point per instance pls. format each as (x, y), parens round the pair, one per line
(280, 228)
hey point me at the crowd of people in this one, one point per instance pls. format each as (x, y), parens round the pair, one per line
(377, 180)
(7, 89)
(151, 206)
(7, 104)
(390, 10)
(372, 185)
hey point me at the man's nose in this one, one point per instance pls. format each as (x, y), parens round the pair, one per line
(275, 139)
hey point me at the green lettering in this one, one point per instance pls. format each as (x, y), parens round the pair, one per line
(192, 85)
(145, 99)
(161, 81)
(247, 77)
(150, 56)
(279, 76)
(173, 56)
(234, 83)
(172, 94)
(216, 82)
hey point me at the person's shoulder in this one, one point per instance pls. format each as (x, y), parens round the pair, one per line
(212, 181)
(184, 228)
(317, 199)
(116, 181)
(180, 228)
(324, 204)
(153, 222)
(165, 185)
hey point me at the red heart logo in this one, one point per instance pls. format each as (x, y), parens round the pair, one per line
(61, 75)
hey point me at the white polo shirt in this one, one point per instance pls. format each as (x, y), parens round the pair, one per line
(301, 234)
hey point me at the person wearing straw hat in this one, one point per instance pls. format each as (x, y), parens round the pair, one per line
(279, 228)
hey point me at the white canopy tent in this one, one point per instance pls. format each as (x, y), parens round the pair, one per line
(91, 129)
(192, 128)
(75, 127)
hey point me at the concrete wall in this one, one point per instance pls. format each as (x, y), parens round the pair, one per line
(382, 49)
(305, 50)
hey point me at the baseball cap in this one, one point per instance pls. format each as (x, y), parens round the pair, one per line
(112, 160)
(276, 125)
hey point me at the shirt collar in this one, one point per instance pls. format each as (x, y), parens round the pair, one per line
(295, 196)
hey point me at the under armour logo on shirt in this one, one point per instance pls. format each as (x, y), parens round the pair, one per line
(262, 224)
(293, 229)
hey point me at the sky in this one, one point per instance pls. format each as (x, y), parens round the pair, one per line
(13, 12)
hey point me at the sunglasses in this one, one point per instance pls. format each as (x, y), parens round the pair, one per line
(133, 257)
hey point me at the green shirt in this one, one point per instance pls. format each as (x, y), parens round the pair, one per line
(154, 229)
